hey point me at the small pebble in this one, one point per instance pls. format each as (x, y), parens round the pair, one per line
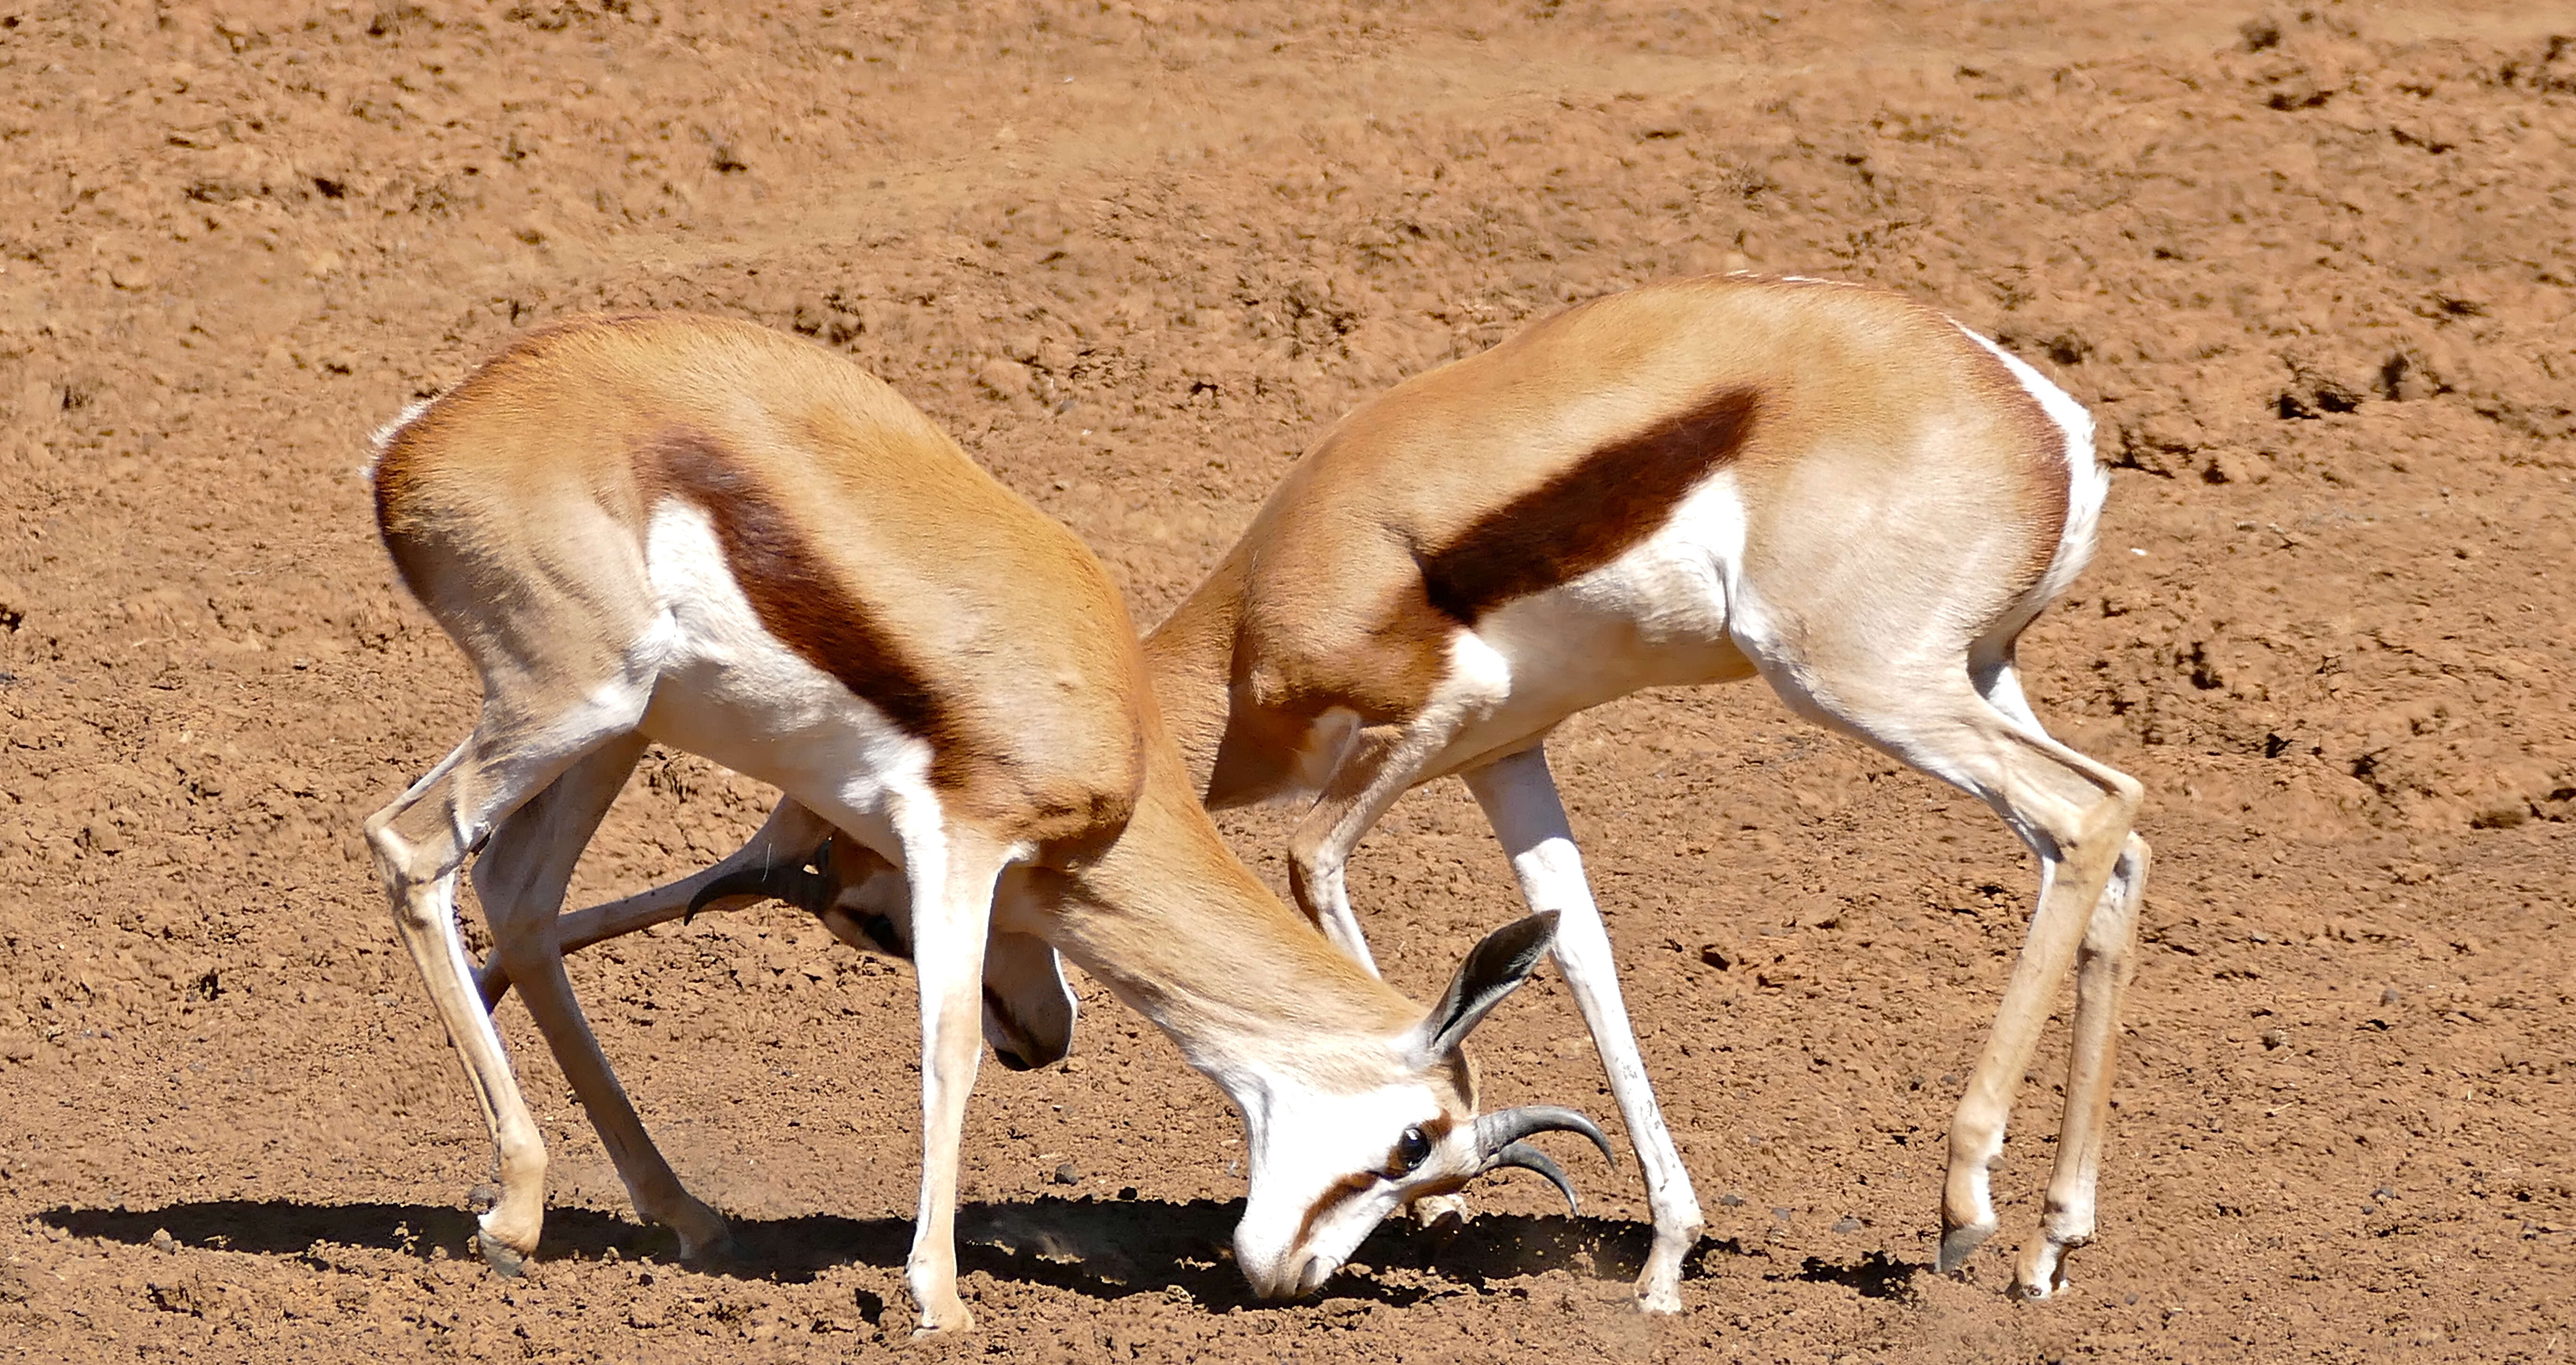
(163, 1241)
(2273, 1038)
(1732, 1201)
(1066, 1174)
(1847, 1223)
(2391, 996)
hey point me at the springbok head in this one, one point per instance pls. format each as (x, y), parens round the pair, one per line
(1334, 1151)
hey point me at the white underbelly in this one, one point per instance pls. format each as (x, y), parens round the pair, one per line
(734, 693)
(1657, 616)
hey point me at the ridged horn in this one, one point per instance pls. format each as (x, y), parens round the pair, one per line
(1529, 1158)
(1501, 1129)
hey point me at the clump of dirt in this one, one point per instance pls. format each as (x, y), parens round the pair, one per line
(2309, 267)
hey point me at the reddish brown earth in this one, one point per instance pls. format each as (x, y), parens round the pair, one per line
(2314, 270)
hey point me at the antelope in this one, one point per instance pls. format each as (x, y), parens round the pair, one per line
(1842, 492)
(702, 533)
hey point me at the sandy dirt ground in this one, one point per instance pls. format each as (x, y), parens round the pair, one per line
(2314, 270)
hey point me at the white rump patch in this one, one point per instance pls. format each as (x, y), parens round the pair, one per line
(2087, 482)
(383, 436)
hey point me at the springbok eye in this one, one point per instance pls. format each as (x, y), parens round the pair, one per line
(1411, 1150)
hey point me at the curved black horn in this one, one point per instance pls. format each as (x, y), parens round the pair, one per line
(1501, 1129)
(1529, 1158)
(813, 891)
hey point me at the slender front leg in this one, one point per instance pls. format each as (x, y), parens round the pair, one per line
(1520, 800)
(792, 832)
(1383, 766)
(953, 875)
(2102, 968)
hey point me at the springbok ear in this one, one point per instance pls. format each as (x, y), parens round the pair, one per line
(1493, 969)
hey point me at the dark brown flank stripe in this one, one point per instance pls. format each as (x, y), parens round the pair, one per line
(799, 600)
(1588, 515)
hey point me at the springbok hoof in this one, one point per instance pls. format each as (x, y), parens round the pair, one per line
(1658, 1294)
(1958, 1243)
(1440, 1214)
(947, 1324)
(705, 1236)
(505, 1262)
(2042, 1271)
(1659, 1282)
(719, 1251)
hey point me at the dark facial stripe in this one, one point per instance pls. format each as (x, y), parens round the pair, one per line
(797, 597)
(1590, 514)
(1350, 1188)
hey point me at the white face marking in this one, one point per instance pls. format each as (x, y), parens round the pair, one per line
(1306, 1149)
(738, 695)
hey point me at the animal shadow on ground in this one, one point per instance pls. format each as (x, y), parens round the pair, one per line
(1106, 1249)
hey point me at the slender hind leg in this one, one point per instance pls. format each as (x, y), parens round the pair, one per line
(520, 878)
(2073, 813)
(1030, 1013)
(1520, 801)
(2102, 968)
(420, 843)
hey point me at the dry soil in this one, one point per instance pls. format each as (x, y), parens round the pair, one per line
(2314, 270)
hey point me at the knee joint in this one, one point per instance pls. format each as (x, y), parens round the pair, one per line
(2127, 795)
(2103, 827)
(1313, 859)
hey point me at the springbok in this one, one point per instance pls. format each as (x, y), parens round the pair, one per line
(1828, 486)
(737, 543)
